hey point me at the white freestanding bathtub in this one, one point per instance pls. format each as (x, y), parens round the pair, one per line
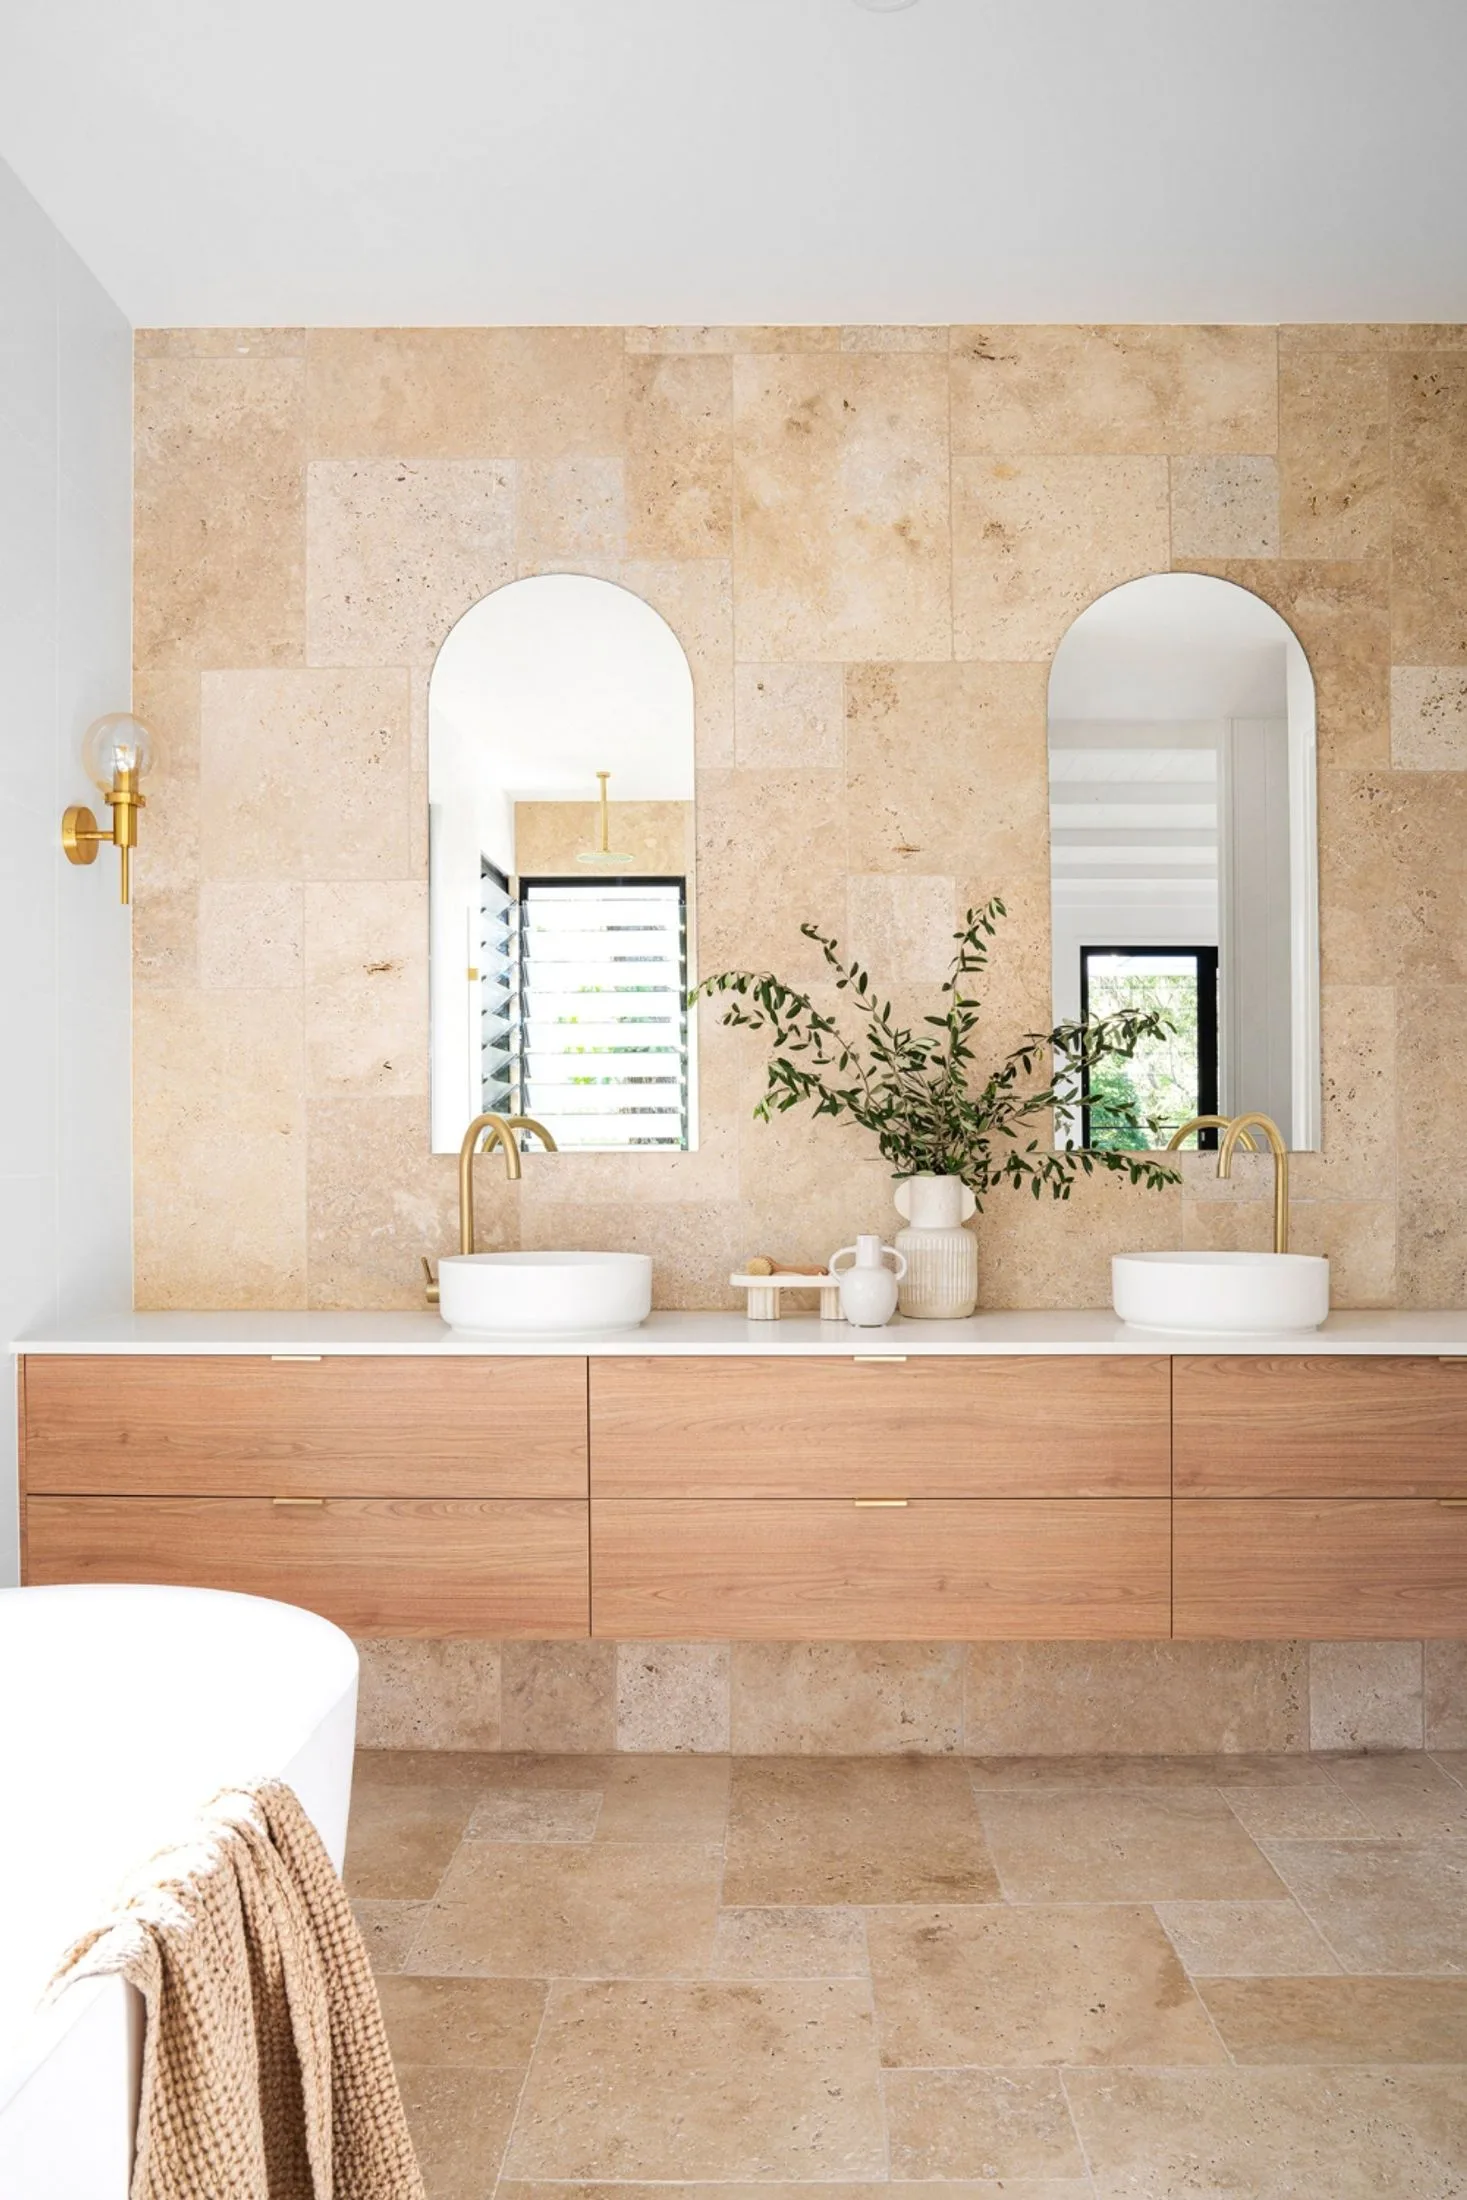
(122, 1710)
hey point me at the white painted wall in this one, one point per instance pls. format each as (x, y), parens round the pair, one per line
(65, 657)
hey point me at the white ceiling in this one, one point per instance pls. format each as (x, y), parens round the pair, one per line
(503, 161)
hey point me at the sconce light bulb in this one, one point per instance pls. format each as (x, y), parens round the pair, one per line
(118, 743)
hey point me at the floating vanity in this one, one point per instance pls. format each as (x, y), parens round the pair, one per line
(1017, 1475)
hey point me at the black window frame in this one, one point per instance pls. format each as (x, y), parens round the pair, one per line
(1206, 959)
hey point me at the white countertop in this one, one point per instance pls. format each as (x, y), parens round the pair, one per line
(1083, 1330)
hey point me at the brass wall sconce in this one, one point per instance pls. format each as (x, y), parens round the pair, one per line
(116, 751)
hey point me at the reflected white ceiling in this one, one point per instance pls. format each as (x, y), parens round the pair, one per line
(503, 161)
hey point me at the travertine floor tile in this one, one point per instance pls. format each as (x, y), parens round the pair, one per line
(1272, 2134)
(402, 1839)
(479, 2023)
(1383, 1905)
(703, 2081)
(1103, 1771)
(993, 1985)
(1341, 2020)
(1406, 1797)
(665, 1799)
(1453, 1762)
(1298, 1814)
(1008, 2188)
(526, 1770)
(596, 1910)
(790, 1943)
(1244, 1939)
(536, 1814)
(459, 2119)
(1124, 1847)
(980, 2123)
(901, 1829)
(388, 1928)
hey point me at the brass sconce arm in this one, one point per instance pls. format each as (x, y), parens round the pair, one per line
(117, 750)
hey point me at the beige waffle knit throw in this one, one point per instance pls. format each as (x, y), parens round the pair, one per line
(266, 2073)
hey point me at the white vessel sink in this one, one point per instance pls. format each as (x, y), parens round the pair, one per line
(544, 1294)
(1242, 1294)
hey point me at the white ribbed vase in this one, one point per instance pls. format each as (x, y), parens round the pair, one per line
(941, 1282)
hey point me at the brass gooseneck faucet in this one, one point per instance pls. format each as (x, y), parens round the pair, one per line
(1236, 1130)
(501, 1130)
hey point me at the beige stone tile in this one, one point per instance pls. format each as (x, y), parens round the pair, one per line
(1340, 2020)
(711, 339)
(459, 2120)
(1340, 611)
(1271, 2134)
(1404, 1796)
(1058, 1254)
(218, 1149)
(464, 2023)
(946, 771)
(1051, 391)
(789, 717)
(402, 1838)
(559, 1695)
(905, 336)
(790, 1942)
(304, 775)
(464, 393)
(219, 343)
(250, 933)
(366, 973)
(457, 1770)
(1433, 1199)
(594, 1909)
(1037, 539)
(679, 456)
(1393, 898)
(1150, 1697)
(665, 1799)
(660, 2082)
(165, 934)
(1429, 718)
(1334, 455)
(695, 596)
(1100, 1769)
(1136, 1846)
(1245, 1939)
(1428, 510)
(846, 1699)
(1306, 336)
(388, 1929)
(1008, 2188)
(1225, 507)
(1298, 1814)
(1358, 1238)
(1365, 1695)
(434, 1694)
(1446, 1694)
(672, 1696)
(690, 1244)
(898, 1829)
(903, 925)
(1029, 1984)
(537, 1768)
(990, 2124)
(535, 1814)
(1357, 1160)
(1453, 1763)
(841, 507)
(397, 550)
(1383, 1905)
(219, 515)
(771, 855)
(567, 510)
(378, 1203)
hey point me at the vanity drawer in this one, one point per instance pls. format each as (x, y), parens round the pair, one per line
(1329, 1569)
(832, 1570)
(914, 1427)
(402, 1566)
(1325, 1427)
(329, 1427)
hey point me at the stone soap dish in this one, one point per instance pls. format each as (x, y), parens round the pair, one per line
(765, 1289)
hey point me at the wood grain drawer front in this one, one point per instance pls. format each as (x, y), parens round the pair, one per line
(1328, 1569)
(408, 1566)
(250, 1426)
(919, 1427)
(1327, 1427)
(933, 1570)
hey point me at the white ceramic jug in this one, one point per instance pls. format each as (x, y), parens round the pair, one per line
(868, 1288)
(942, 1258)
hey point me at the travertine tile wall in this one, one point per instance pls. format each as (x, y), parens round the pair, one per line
(923, 1698)
(870, 542)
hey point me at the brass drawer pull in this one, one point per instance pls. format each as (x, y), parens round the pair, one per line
(1449, 1502)
(312, 1501)
(295, 1359)
(1451, 1359)
(878, 1504)
(878, 1359)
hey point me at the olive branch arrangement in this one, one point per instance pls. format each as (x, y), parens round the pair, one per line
(913, 1089)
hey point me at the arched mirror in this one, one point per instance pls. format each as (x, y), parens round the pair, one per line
(560, 793)
(1184, 855)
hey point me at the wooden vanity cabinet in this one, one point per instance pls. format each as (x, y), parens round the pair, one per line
(396, 1495)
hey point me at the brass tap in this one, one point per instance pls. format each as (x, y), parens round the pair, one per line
(1236, 1130)
(1205, 1123)
(501, 1130)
